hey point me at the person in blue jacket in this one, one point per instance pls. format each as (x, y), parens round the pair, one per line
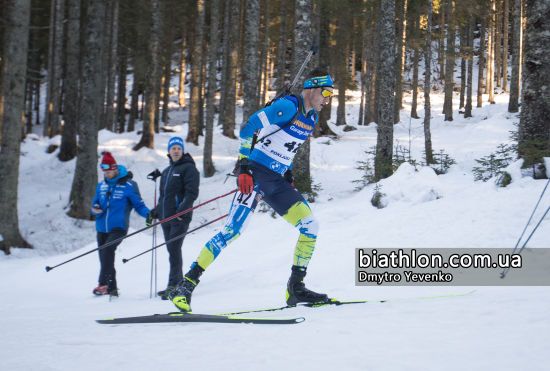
(269, 142)
(114, 199)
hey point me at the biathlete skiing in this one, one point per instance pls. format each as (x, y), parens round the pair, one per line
(265, 173)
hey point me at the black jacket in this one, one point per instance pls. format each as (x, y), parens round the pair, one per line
(179, 187)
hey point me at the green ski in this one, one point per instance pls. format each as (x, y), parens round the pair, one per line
(337, 302)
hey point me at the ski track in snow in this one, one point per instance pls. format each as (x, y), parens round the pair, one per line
(47, 319)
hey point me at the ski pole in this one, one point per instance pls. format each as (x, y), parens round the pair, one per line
(175, 238)
(48, 268)
(154, 176)
(505, 270)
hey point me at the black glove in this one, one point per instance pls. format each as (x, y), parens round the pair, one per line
(289, 177)
(152, 216)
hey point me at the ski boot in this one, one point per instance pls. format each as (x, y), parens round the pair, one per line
(164, 294)
(181, 294)
(297, 292)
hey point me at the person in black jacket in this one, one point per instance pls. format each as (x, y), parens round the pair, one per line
(179, 188)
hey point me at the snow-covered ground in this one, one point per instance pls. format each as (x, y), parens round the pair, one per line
(47, 319)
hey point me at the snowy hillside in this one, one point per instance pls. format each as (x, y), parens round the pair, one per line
(47, 319)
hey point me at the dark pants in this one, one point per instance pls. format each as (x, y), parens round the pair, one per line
(275, 190)
(107, 273)
(171, 230)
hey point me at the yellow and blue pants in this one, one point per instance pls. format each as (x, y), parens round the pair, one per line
(283, 198)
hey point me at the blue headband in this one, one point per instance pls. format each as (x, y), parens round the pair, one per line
(318, 82)
(175, 141)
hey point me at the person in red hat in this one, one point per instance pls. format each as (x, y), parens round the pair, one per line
(114, 199)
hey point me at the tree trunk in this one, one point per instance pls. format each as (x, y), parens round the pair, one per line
(281, 49)
(140, 60)
(28, 99)
(470, 62)
(497, 44)
(225, 59)
(230, 88)
(463, 76)
(505, 45)
(153, 80)
(449, 62)
(481, 66)
(250, 70)
(14, 72)
(208, 164)
(325, 53)
(91, 107)
(414, 114)
(513, 104)
(182, 74)
(196, 66)
(34, 66)
(534, 126)
(364, 38)
(68, 147)
(52, 123)
(372, 65)
(386, 76)
(428, 86)
(36, 102)
(111, 66)
(167, 60)
(263, 76)
(241, 49)
(441, 41)
(121, 90)
(401, 9)
(491, 54)
(342, 72)
(302, 43)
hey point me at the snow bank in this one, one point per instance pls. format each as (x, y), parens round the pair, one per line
(411, 186)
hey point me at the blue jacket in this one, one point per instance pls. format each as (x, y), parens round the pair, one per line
(116, 197)
(283, 127)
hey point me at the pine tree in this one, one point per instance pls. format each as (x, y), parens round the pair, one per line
(14, 70)
(386, 76)
(449, 61)
(251, 67)
(68, 147)
(302, 44)
(91, 106)
(534, 126)
(208, 164)
(153, 80)
(513, 104)
(428, 85)
(52, 124)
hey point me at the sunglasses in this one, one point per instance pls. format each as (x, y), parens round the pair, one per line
(105, 166)
(326, 93)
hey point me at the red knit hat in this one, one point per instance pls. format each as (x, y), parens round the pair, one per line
(108, 162)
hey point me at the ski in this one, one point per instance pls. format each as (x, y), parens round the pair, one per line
(336, 302)
(192, 317)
